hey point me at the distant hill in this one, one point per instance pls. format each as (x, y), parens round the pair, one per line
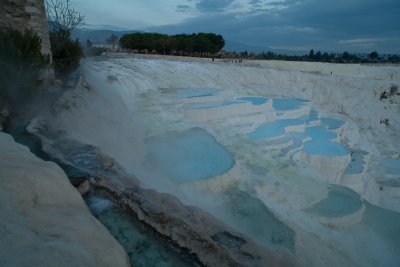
(96, 36)
(232, 46)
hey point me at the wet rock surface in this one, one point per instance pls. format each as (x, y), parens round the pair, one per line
(228, 240)
(144, 246)
(210, 240)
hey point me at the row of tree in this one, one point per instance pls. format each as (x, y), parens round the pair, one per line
(344, 57)
(194, 43)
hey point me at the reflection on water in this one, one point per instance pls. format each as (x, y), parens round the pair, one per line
(252, 217)
(142, 245)
(386, 223)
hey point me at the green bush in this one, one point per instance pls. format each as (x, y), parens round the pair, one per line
(21, 62)
(66, 53)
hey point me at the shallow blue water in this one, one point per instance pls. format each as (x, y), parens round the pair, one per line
(386, 224)
(273, 129)
(190, 155)
(313, 114)
(356, 164)
(309, 119)
(196, 92)
(392, 166)
(332, 123)
(212, 104)
(324, 148)
(341, 201)
(253, 218)
(255, 100)
(203, 105)
(297, 141)
(287, 104)
(318, 133)
(144, 247)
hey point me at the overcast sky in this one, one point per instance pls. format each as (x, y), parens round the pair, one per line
(326, 25)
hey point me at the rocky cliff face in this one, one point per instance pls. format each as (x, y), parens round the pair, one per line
(26, 14)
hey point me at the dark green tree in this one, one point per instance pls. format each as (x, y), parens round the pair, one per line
(311, 54)
(196, 43)
(345, 56)
(89, 43)
(21, 63)
(373, 55)
(66, 53)
(394, 58)
(318, 56)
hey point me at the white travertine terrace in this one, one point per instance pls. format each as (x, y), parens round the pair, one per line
(128, 99)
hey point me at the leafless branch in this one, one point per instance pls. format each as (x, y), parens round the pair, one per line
(62, 17)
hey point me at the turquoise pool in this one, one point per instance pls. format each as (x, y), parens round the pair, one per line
(253, 218)
(287, 104)
(318, 133)
(190, 155)
(255, 100)
(357, 162)
(143, 246)
(324, 148)
(273, 129)
(196, 92)
(297, 138)
(213, 104)
(341, 201)
(392, 166)
(313, 113)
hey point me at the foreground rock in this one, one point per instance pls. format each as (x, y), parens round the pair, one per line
(210, 240)
(43, 219)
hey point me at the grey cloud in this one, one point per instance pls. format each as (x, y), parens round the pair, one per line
(182, 8)
(256, 5)
(211, 6)
(347, 17)
(255, 2)
(285, 3)
(309, 24)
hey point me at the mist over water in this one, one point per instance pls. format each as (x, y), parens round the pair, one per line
(263, 163)
(143, 246)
